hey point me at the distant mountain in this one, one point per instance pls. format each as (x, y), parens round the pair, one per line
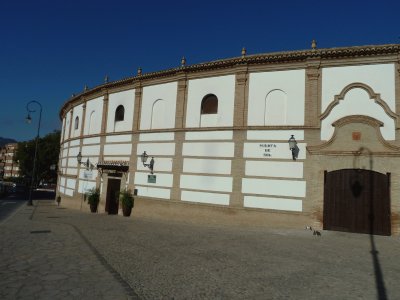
(4, 141)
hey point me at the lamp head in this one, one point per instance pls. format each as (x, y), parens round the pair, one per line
(292, 142)
(144, 157)
(28, 119)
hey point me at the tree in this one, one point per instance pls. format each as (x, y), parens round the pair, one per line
(47, 155)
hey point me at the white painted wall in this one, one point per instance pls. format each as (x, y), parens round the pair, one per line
(93, 140)
(224, 88)
(74, 143)
(273, 203)
(147, 191)
(209, 135)
(213, 149)
(159, 136)
(127, 100)
(274, 169)
(63, 137)
(72, 162)
(276, 187)
(274, 135)
(272, 150)
(153, 149)
(71, 171)
(85, 186)
(119, 138)
(90, 150)
(209, 198)
(71, 183)
(206, 183)
(163, 180)
(94, 114)
(263, 85)
(379, 77)
(73, 151)
(78, 112)
(117, 149)
(211, 166)
(161, 164)
(67, 122)
(163, 117)
(357, 102)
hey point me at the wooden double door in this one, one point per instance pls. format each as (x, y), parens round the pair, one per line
(112, 198)
(357, 200)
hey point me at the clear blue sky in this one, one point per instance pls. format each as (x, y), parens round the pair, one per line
(51, 49)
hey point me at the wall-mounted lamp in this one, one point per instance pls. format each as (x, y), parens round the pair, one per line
(144, 157)
(293, 147)
(87, 164)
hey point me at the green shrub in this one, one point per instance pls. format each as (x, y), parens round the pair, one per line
(93, 196)
(126, 198)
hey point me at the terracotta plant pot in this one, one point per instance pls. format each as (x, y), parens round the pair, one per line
(126, 210)
(93, 208)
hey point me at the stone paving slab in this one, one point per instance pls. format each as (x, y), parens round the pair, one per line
(48, 260)
(156, 259)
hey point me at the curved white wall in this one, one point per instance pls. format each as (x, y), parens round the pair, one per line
(94, 114)
(357, 101)
(224, 88)
(127, 100)
(290, 83)
(379, 77)
(78, 113)
(67, 122)
(166, 118)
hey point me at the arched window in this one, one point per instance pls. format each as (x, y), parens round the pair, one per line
(76, 123)
(275, 108)
(119, 113)
(209, 105)
(158, 114)
(92, 122)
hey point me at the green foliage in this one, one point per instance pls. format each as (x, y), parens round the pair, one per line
(93, 196)
(126, 198)
(47, 154)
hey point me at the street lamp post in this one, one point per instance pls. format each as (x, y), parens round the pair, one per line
(29, 120)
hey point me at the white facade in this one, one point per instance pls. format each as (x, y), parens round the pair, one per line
(238, 154)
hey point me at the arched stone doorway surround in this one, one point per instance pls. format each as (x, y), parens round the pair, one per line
(344, 150)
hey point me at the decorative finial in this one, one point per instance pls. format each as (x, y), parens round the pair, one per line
(86, 88)
(139, 71)
(314, 44)
(183, 61)
(106, 79)
(243, 52)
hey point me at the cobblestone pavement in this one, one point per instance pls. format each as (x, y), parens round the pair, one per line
(111, 257)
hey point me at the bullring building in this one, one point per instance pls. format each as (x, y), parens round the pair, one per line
(293, 138)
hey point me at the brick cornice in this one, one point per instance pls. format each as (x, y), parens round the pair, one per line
(305, 56)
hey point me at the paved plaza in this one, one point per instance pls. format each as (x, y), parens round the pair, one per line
(50, 252)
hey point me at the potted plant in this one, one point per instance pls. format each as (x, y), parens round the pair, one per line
(127, 201)
(93, 198)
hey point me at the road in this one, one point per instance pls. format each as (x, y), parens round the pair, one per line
(11, 203)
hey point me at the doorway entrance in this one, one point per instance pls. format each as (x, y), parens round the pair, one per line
(357, 200)
(112, 199)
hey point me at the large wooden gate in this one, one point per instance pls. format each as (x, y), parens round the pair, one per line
(357, 200)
